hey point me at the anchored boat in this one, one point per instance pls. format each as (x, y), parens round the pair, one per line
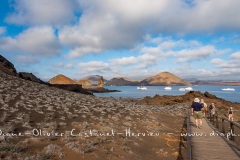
(228, 89)
(142, 88)
(182, 89)
(168, 88)
(189, 89)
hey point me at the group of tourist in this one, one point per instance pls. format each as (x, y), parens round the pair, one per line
(200, 109)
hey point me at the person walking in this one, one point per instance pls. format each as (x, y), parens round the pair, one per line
(205, 107)
(210, 109)
(213, 110)
(230, 114)
(196, 109)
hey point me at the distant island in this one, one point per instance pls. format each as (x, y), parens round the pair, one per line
(161, 79)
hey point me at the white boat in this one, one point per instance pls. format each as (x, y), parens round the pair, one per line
(168, 88)
(188, 89)
(228, 89)
(142, 88)
(182, 89)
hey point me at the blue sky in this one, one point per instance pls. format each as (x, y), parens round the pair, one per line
(128, 38)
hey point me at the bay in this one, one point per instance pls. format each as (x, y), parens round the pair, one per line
(133, 92)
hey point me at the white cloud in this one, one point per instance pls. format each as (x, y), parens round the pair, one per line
(236, 55)
(26, 59)
(60, 64)
(142, 61)
(39, 41)
(107, 24)
(44, 12)
(232, 63)
(124, 61)
(93, 66)
(229, 69)
(2, 30)
(224, 51)
(194, 54)
(81, 51)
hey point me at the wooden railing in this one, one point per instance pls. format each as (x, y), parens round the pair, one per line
(228, 129)
(189, 146)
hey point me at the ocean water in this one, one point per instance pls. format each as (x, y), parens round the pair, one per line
(133, 92)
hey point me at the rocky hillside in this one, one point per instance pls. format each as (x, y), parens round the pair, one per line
(61, 79)
(121, 81)
(162, 79)
(76, 126)
(166, 79)
(7, 67)
(30, 77)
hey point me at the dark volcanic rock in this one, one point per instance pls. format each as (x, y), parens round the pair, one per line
(101, 90)
(7, 67)
(30, 77)
(187, 99)
(71, 87)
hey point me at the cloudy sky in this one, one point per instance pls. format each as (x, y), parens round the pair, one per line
(129, 38)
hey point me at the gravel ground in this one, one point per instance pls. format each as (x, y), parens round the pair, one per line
(41, 122)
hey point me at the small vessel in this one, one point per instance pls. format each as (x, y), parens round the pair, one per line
(142, 88)
(228, 89)
(182, 89)
(188, 89)
(168, 88)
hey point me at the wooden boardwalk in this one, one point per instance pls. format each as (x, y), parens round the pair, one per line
(209, 147)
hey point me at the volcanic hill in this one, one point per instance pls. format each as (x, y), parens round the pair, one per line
(162, 79)
(61, 79)
(166, 78)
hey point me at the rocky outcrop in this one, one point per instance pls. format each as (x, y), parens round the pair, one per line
(85, 83)
(61, 79)
(101, 90)
(7, 67)
(30, 77)
(100, 82)
(93, 79)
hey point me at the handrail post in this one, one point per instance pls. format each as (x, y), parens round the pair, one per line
(232, 130)
(223, 126)
(189, 147)
(217, 122)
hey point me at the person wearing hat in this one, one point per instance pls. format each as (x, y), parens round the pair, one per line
(196, 109)
(230, 114)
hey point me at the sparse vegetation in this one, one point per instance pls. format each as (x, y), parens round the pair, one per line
(25, 105)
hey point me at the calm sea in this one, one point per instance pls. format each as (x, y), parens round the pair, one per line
(132, 92)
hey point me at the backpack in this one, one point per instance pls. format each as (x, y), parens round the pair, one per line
(210, 107)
